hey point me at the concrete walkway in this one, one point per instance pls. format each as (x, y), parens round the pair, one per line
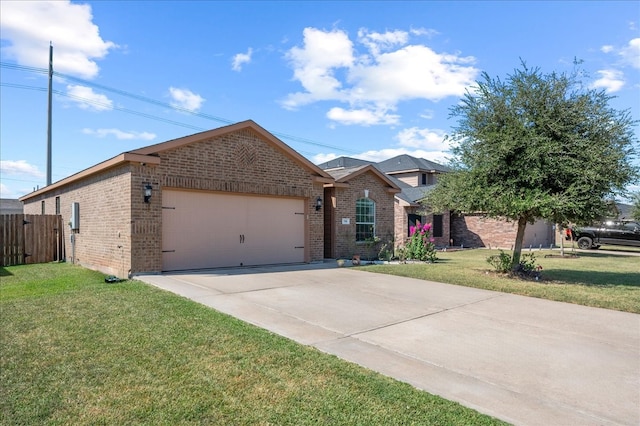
(524, 360)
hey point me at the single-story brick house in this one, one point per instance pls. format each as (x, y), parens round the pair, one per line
(232, 196)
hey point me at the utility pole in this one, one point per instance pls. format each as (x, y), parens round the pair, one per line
(49, 114)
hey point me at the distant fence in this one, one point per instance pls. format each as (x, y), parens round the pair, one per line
(30, 238)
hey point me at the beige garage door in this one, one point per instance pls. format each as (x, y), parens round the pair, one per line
(207, 230)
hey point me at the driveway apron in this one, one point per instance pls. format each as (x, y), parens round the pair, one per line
(524, 360)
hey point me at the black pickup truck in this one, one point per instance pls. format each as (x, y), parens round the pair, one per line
(619, 232)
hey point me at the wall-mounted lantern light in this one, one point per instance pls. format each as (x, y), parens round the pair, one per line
(318, 203)
(147, 192)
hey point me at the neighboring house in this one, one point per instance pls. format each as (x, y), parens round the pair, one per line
(359, 212)
(10, 206)
(478, 230)
(414, 177)
(415, 172)
(232, 196)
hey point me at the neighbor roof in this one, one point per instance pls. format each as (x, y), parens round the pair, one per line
(149, 155)
(410, 194)
(10, 206)
(405, 163)
(343, 163)
(342, 176)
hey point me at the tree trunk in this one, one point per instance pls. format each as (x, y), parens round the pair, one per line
(561, 231)
(517, 248)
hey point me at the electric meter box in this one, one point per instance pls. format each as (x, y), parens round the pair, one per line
(75, 216)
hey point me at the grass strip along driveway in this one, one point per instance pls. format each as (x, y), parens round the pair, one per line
(593, 278)
(75, 350)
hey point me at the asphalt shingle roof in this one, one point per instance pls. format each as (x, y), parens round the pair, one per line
(343, 162)
(343, 166)
(407, 162)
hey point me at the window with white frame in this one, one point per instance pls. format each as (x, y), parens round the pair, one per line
(365, 219)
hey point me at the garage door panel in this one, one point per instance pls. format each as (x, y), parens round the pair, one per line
(206, 230)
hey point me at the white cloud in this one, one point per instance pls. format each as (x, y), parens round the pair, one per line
(119, 134)
(315, 64)
(423, 32)
(377, 42)
(414, 141)
(185, 99)
(413, 72)
(364, 117)
(386, 71)
(29, 26)
(425, 139)
(323, 158)
(610, 80)
(631, 53)
(240, 59)
(427, 114)
(87, 99)
(19, 167)
(5, 192)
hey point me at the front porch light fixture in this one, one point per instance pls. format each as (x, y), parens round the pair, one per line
(318, 203)
(147, 188)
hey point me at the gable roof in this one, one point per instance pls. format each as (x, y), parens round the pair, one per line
(342, 176)
(407, 163)
(220, 131)
(343, 163)
(149, 155)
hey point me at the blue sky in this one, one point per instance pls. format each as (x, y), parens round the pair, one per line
(365, 79)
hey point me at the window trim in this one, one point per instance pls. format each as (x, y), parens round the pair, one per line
(372, 215)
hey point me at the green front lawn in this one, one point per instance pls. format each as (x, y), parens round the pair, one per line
(593, 278)
(75, 350)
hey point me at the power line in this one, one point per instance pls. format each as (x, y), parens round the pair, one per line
(104, 105)
(188, 111)
(128, 111)
(154, 102)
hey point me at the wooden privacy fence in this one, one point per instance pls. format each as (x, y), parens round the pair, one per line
(30, 238)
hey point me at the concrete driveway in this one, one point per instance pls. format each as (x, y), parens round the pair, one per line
(524, 360)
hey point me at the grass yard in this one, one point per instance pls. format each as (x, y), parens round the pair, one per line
(594, 278)
(75, 350)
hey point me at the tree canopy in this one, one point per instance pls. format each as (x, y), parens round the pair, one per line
(536, 146)
(635, 207)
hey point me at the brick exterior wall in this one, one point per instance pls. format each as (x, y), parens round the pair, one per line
(345, 245)
(103, 241)
(402, 224)
(475, 230)
(121, 235)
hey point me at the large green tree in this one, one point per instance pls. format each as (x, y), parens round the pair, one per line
(536, 146)
(635, 207)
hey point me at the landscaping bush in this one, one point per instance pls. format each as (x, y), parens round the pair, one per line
(420, 245)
